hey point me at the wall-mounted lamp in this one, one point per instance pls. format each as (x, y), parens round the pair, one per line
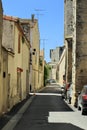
(34, 50)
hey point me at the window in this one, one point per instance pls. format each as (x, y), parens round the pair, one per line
(19, 42)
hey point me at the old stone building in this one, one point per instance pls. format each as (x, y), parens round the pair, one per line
(55, 55)
(31, 30)
(4, 80)
(18, 48)
(68, 32)
(79, 68)
(1, 73)
(1, 22)
(76, 44)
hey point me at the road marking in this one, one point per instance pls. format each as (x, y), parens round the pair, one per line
(53, 94)
(74, 118)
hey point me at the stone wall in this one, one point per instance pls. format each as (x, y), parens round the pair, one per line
(81, 43)
(68, 21)
(68, 37)
(79, 62)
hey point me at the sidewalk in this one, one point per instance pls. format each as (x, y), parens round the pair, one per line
(10, 119)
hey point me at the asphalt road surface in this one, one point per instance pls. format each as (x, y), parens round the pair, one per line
(48, 111)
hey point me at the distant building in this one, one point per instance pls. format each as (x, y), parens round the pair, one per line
(55, 55)
(53, 70)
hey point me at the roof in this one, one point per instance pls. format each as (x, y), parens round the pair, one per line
(28, 21)
(10, 18)
(17, 21)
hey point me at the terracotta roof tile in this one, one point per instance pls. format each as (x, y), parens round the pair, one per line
(10, 18)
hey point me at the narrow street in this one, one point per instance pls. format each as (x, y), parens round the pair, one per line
(48, 111)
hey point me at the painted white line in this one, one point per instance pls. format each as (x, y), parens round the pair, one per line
(74, 118)
(53, 94)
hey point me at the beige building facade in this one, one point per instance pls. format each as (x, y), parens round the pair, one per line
(41, 69)
(35, 56)
(1, 72)
(4, 80)
(61, 68)
(31, 29)
(18, 48)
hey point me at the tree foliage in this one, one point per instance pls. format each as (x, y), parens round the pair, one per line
(46, 73)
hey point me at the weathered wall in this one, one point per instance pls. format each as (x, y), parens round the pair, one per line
(61, 67)
(18, 63)
(79, 64)
(11, 80)
(26, 62)
(8, 34)
(41, 69)
(56, 53)
(1, 26)
(5, 80)
(68, 17)
(81, 43)
(35, 57)
(68, 24)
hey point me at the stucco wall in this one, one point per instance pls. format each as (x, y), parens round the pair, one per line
(61, 66)
(25, 60)
(4, 84)
(8, 34)
(35, 57)
(18, 64)
(1, 26)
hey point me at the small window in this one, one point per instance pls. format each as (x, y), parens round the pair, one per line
(19, 43)
(4, 74)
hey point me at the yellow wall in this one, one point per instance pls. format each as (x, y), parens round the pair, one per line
(61, 65)
(13, 91)
(25, 60)
(1, 86)
(35, 58)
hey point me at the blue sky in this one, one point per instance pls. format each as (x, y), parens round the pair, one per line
(50, 16)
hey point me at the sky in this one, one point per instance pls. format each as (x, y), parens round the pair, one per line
(50, 15)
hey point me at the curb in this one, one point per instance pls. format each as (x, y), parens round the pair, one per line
(71, 106)
(15, 119)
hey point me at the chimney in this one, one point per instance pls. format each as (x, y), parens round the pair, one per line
(32, 17)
